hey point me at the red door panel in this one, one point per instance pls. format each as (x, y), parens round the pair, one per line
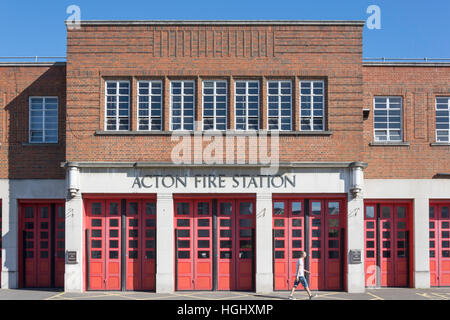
(323, 236)
(148, 252)
(42, 247)
(225, 244)
(440, 244)
(387, 243)
(184, 224)
(244, 245)
(234, 234)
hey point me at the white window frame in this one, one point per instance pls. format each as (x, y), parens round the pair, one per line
(43, 119)
(117, 106)
(182, 105)
(279, 95)
(312, 95)
(388, 140)
(436, 116)
(150, 96)
(246, 104)
(215, 104)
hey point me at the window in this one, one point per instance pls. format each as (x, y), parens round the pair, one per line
(117, 105)
(312, 106)
(182, 105)
(279, 102)
(247, 105)
(43, 123)
(442, 119)
(214, 105)
(388, 119)
(149, 105)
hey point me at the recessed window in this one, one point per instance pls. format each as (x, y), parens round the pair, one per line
(312, 106)
(247, 105)
(215, 105)
(442, 119)
(117, 105)
(149, 105)
(279, 103)
(388, 119)
(43, 120)
(182, 105)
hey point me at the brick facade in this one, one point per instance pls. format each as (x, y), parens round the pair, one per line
(331, 53)
(18, 158)
(418, 86)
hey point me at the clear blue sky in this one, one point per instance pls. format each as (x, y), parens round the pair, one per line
(411, 29)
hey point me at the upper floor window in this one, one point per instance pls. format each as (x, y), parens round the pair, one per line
(149, 105)
(312, 106)
(214, 105)
(442, 119)
(247, 105)
(43, 123)
(279, 102)
(388, 119)
(182, 105)
(117, 105)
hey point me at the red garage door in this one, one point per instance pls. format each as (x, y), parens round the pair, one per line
(387, 243)
(314, 226)
(214, 243)
(42, 258)
(120, 244)
(440, 243)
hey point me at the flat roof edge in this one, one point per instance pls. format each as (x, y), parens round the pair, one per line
(406, 64)
(217, 22)
(32, 64)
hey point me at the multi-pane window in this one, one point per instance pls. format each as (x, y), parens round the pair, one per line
(43, 123)
(149, 105)
(279, 102)
(117, 105)
(442, 119)
(182, 105)
(388, 119)
(247, 105)
(312, 106)
(214, 105)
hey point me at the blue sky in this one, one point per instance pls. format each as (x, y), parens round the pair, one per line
(409, 29)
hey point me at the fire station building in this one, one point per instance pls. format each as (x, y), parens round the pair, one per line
(205, 155)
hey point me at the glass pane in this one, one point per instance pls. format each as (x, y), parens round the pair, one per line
(114, 208)
(278, 208)
(370, 212)
(296, 208)
(401, 212)
(225, 208)
(183, 208)
(315, 208)
(333, 208)
(246, 208)
(386, 212)
(203, 208)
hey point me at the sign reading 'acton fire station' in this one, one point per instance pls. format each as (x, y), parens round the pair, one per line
(214, 181)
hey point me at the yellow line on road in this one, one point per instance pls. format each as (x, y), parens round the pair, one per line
(375, 296)
(55, 296)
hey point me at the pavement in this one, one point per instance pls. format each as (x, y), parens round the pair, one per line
(370, 294)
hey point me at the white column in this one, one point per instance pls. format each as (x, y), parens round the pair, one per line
(73, 276)
(165, 244)
(420, 245)
(355, 229)
(10, 243)
(264, 272)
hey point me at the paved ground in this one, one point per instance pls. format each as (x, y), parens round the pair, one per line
(372, 294)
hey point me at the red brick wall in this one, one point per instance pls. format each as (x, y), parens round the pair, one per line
(419, 87)
(96, 53)
(19, 159)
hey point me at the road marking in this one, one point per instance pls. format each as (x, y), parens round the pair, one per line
(440, 296)
(55, 296)
(375, 296)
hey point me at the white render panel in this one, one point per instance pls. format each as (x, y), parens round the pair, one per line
(421, 191)
(11, 191)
